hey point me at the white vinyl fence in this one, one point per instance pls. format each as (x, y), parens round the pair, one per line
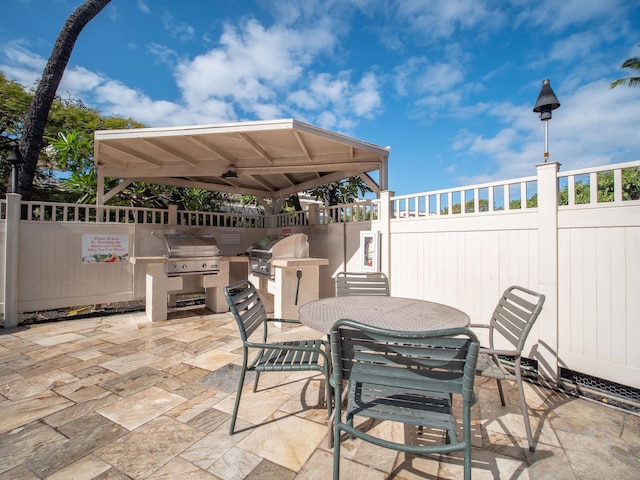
(464, 247)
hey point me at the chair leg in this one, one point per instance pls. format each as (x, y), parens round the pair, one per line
(525, 410)
(237, 402)
(255, 382)
(336, 454)
(500, 392)
(466, 420)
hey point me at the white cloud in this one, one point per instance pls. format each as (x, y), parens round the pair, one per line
(248, 65)
(366, 98)
(554, 16)
(579, 45)
(20, 64)
(162, 54)
(180, 30)
(255, 68)
(79, 80)
(438, 19)
(581, 134)
(143, 7)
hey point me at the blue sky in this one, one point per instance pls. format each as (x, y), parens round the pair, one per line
(448, 85)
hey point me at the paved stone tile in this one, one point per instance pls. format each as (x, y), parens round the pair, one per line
(91, 370)
(28, 387)
(30, 409)
(196, 405)
(9, 376)
(21, 444)
(86, 468)
(593, 459)
(183, 470)
(268, 471)
(189, 390)
(134, 381)
(320, 466)
(212, 360)
(287, 441)
(21, 472)
(112, 474)
(236, 464)
(209, 420)
(145, 450)
(79, 410)
(58, 339)
(85, 434)
(209, 449)
(130, 362)
(138, 409)
(48, 363)
(79, 393)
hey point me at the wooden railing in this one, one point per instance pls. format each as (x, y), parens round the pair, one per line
(217, 219)
(349, 212)
(73, 212)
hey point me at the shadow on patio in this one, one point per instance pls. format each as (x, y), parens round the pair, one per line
(117, 397)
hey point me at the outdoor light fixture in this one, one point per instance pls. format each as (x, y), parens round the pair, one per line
(547, 101)
(15, 159)
(230, 174)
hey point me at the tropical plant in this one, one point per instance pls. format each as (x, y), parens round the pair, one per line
(633, 64)
(343, 191)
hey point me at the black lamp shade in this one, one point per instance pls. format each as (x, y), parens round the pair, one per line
(546, 102)
(14, 157)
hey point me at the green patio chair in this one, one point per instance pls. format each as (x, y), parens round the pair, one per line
(511, 321)
(405, 377)
(368, 283)
(301, 355)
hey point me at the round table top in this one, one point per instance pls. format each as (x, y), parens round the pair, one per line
(393, 313)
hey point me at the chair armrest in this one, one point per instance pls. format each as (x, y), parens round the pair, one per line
(479, 325)
(493, 351)
(283, 320)
(287, 346)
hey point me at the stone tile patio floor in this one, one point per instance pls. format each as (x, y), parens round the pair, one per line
(119, 397)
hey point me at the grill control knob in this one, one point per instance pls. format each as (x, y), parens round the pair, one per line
(184, 266)
(204, 265)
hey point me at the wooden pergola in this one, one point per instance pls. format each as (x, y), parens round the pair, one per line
(267, 159)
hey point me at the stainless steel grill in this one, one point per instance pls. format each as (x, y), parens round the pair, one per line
(191, 254)
(271, 247)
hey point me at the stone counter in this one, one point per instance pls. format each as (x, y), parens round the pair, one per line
(159, 286)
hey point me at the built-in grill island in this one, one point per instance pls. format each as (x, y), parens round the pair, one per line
(188, 262)
(284, 274)
(191, 254)
(271, 247)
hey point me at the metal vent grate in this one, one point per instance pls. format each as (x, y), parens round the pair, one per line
(594, 388)
(603, 390)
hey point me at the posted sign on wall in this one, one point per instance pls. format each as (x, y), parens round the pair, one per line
(105, 248)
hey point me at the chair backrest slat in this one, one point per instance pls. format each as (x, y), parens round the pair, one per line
(246, 306)
(515, 314)
(433, 360)
(349, 283)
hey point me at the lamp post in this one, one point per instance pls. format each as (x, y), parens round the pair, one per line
(15, 159)
(547, 101)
